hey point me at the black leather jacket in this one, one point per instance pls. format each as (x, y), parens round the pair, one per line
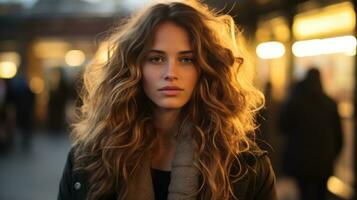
(258, 183)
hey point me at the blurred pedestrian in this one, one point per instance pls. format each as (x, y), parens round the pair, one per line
(6, 138)
(23, 99)
(268, 137)
(58, 95)
(312, 124)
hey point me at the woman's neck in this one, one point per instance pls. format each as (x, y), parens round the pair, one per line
(166, 122)
(167, 126)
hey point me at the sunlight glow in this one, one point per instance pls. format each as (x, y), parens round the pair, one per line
(270, 50)
(343, 44)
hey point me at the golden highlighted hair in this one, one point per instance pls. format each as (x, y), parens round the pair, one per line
(115, 127)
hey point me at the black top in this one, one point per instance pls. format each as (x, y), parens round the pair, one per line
(160, 181)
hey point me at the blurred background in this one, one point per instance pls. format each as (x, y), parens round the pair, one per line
(45, 45)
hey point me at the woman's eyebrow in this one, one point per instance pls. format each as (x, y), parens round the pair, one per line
(156, 51)
(187, 52)
(163, 52)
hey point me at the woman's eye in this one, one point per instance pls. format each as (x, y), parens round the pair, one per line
(156, 59)
(186, 60)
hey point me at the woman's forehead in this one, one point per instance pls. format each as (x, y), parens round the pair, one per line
(168, 35)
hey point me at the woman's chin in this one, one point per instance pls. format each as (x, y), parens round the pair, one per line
(170, 106)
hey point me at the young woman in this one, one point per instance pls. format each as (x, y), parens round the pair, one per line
(169, 115)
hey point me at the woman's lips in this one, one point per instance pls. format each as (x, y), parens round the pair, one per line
(170, 90)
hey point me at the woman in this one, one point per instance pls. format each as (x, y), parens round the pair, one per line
(169, 115)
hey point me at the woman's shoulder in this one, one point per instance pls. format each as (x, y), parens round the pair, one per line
(256, 178)
(73, 184)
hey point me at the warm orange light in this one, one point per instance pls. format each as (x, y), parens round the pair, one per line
(8, 69)
(51, 48)
(332, 20)
(343, 44)
(270, 50)
(339, 188)
(37, 85)
(75, 58)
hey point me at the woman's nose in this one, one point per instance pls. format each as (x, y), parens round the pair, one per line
(171, 70)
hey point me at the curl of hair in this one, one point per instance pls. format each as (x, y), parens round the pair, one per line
(114, 129)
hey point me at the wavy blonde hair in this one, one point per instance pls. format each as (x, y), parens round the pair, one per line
(115, 127)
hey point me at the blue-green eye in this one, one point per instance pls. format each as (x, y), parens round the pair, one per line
(156, 59)
(186, 60)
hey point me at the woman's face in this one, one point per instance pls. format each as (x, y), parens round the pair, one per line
(169, 72)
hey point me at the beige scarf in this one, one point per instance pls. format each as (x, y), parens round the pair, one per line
(184, 175)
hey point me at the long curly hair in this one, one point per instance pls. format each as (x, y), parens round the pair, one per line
(114, 129)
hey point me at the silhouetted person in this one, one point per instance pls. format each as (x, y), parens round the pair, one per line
(5, 135)
(23, 99)
(313, 127)
(57, 102)
(267, 137)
